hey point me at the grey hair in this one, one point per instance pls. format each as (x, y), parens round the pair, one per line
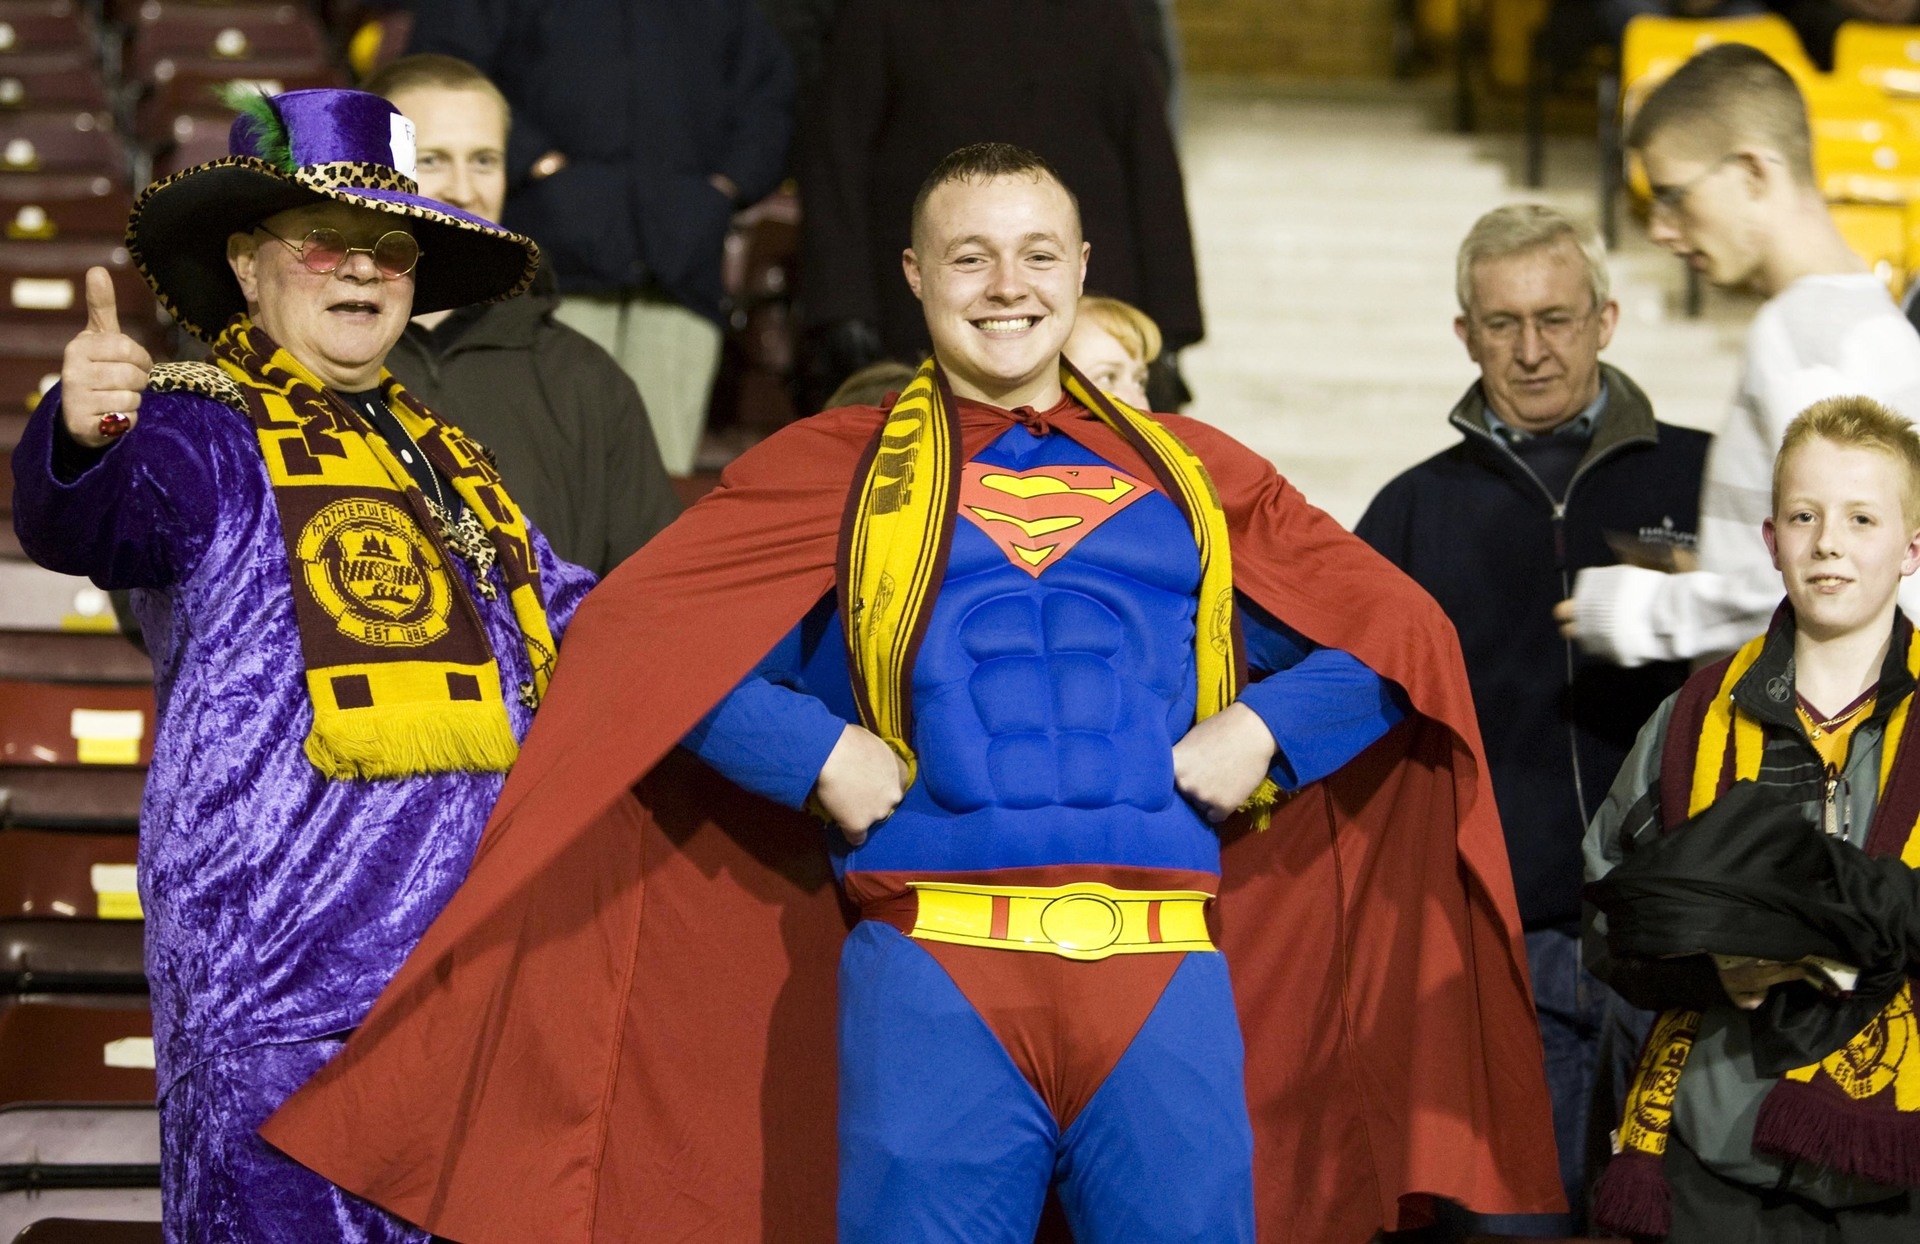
(1520, 227)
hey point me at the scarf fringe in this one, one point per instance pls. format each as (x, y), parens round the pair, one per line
(1633, 1196)
(1807, 1123)
(411, 739)
(1265, 798)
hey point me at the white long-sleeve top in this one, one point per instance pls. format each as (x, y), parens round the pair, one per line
(1821, 337)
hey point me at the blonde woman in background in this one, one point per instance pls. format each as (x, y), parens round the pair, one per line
(1112, 343)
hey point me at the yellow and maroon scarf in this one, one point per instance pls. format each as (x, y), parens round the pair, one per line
(900, 516)
(398, 665)
(1857, 1110)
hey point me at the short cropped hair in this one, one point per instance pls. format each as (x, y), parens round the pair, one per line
(983, 162)
(1127, 324)
(432, 71)
(1858, 423)
(1521, 227)
(1729, 95)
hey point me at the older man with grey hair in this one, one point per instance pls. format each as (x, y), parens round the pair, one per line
(1560, 466)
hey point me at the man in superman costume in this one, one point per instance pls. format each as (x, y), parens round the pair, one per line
(1033, 737)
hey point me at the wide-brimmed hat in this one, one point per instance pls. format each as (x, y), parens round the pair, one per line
(307, 147)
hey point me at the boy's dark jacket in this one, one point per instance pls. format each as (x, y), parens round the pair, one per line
(622, 1026)
(1477, 530)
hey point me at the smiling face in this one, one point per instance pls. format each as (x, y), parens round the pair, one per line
(1840, 539)
(340, 324)
(997, 266)
(461, 134)
(1536, 335)
(1710, 209)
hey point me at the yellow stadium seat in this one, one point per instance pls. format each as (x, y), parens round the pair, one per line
(1510, 28)
(1879, 234)
(1656, 46)
(1886, 58)
(1855, 170)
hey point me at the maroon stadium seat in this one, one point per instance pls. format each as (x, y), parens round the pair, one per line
(45, 283)
(73, 658)
(66, 877)
(89, 1231)
(56, 80)
(31, 27)
(61, 141)
(62, 1052)
(42, 795)
(168, 37)
(29, 365)
(43, 207)
(57, 723)
(62, 957)
(193, 88)
(195, 139)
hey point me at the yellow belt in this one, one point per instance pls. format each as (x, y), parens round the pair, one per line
(1087, 920)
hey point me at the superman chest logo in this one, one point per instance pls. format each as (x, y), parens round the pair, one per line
(1036, 517)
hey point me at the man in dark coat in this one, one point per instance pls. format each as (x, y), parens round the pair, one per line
(1561, 465)
(638, 129)
(566, 424)
(908, 81)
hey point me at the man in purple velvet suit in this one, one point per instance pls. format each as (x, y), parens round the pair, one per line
(351, 622)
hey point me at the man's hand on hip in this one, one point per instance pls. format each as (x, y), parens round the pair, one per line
(1221, 761)
(103, 371)
(861, 783)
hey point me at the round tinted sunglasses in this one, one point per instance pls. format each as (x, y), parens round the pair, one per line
(394, 253)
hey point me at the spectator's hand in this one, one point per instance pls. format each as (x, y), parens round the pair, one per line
(1221, 760)
(1748, 980)
(1564, 615)
(861, 784)
(103, 370)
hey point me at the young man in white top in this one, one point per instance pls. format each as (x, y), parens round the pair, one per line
(1728, 152)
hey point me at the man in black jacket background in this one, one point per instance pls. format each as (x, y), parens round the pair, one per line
(1561, 466)
(638, 127)
(565, 423)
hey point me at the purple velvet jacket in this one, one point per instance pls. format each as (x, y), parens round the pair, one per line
(278, 902)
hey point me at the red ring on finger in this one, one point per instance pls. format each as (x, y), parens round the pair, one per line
(114, 424)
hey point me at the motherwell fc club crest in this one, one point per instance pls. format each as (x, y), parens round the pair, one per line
(370, 567)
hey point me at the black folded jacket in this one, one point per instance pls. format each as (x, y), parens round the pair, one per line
(1754, 876)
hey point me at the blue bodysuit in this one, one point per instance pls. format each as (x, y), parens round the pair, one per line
(1055, 675)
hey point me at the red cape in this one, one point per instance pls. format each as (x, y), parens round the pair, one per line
(622, 1026)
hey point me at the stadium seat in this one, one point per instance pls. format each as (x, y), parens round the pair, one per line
(44, 282)
(67, 877)
(33, 598)
(79, 1135)
(58, 723)
(73, 658)
(42, 207)
(1877, 232)
(49, 958)
(68, 1052)
(94, 1230)
(167, 37)
(32, 27)
(1883, 57)
(1863, 170)
(195, 139)
(60, 798)
(194, 89)
(61, 141)
(29, 366)
(52, 80)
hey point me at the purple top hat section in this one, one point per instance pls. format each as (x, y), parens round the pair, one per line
(325, 126)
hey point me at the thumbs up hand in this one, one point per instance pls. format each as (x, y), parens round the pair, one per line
(102, 372)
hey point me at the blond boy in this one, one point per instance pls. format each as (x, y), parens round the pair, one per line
(1824, 687)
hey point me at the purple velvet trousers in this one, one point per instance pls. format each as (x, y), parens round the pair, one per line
(222, 1184)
